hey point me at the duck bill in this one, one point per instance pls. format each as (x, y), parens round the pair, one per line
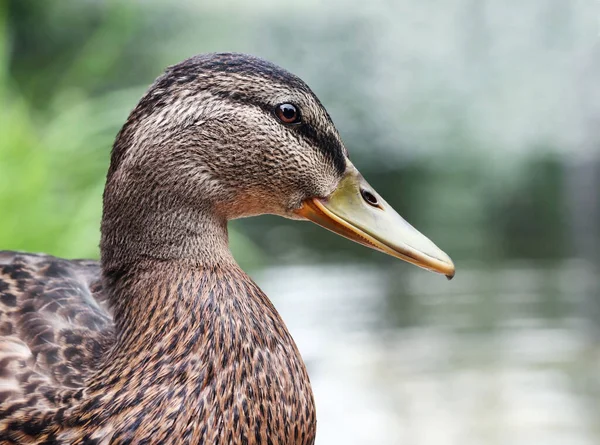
(355, 211)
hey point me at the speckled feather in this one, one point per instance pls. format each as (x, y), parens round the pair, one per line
(167, 340)
(216, 367)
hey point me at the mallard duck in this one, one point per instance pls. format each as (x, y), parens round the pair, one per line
(167, 340)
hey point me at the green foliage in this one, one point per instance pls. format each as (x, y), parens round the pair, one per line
(54, 147)
(64, 99)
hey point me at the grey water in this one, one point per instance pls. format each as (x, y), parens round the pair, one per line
(504, 355)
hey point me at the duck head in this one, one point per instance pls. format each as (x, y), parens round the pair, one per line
(225, 136)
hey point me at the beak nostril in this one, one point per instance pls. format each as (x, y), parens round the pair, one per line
(369, 197)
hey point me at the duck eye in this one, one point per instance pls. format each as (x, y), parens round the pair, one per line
(288, 113)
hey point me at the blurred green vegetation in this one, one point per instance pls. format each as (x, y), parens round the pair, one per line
(53, 146)
(71, 71)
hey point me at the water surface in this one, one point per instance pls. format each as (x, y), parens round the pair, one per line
(503, 355)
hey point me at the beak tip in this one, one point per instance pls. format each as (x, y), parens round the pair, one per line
(447, 266)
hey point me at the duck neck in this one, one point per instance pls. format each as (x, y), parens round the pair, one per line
(169, 232)
(201, 346)
(151, 253)
(168, 308)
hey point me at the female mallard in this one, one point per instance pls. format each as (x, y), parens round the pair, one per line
(167, 340)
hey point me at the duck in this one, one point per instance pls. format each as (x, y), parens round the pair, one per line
(166, 340)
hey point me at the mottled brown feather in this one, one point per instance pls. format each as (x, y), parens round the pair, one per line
(167, 340)
(216, 365)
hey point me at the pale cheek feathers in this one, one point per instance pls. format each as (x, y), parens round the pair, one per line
(242, 151)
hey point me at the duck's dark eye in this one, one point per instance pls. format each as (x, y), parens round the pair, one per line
(369, 197)
(288, 113)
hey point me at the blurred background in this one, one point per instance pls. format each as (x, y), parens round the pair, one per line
(478, 120)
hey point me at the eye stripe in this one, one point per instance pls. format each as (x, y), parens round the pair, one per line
(205, 73)
(327, 143)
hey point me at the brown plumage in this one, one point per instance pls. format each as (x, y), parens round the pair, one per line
(203, 358)
(168, 341)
